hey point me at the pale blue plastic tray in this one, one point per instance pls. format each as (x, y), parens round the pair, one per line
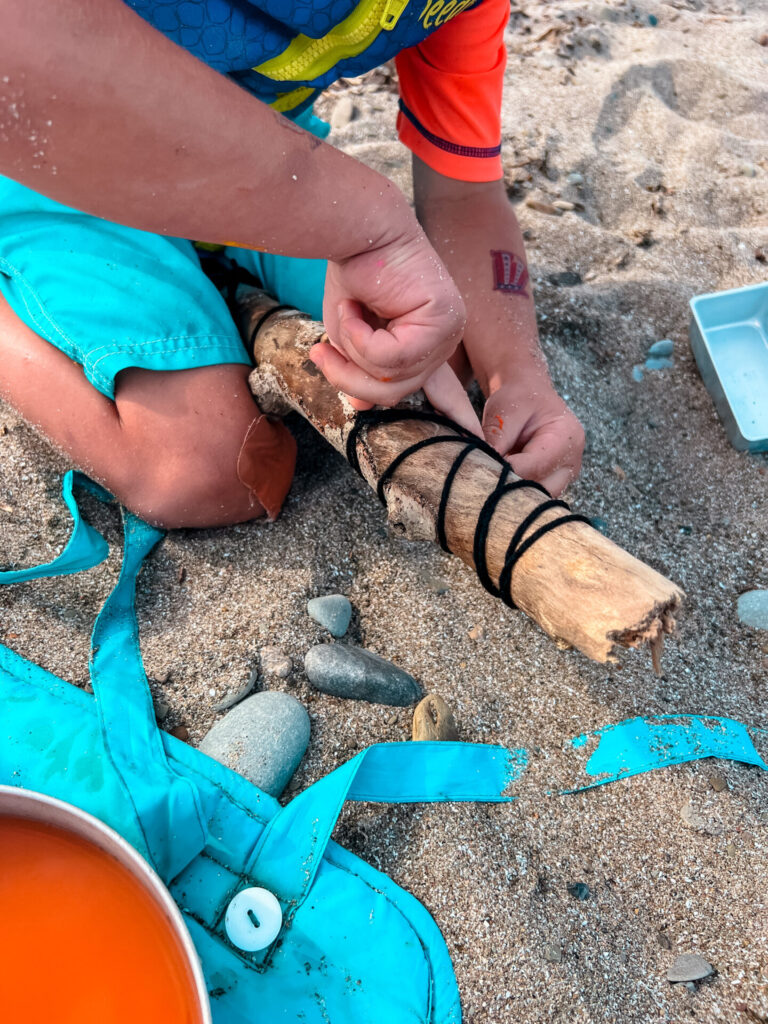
(729, 338)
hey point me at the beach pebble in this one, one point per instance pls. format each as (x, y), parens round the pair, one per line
(574, 178)
(342, 113)
(637, 373)
(564, 204)
(264, 739)
(718, 783)
(433, 720)
(752, 609)
(477, 633)
(658, 364)
(161, 710)
(565, 279)
(360, 674)
(665, 347)
(689, 967)
(748, 170)
(333, 612)
(579, 890)
(181, 732)
(599, 524)
(275, 663)
(540, 207)
(552, 953)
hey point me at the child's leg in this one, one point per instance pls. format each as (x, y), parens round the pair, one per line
(170, 444)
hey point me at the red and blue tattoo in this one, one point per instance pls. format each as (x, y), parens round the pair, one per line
(510, 273)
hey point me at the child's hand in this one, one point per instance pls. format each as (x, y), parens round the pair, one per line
(536, 431)
(394, 316)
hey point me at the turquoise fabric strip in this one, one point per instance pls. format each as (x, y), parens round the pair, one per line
(166, 803)
(85, 548)
(642, 744)
(290, 850)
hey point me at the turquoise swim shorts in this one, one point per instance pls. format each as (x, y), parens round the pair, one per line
(112, 297)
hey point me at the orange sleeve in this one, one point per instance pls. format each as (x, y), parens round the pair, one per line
(451, 86)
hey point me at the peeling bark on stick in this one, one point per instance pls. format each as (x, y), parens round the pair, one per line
(582, 589)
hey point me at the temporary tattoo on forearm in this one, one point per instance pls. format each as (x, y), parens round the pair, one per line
(510, 273)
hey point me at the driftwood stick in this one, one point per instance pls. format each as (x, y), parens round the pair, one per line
(580, 587)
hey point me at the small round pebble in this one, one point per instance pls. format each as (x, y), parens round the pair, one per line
(579, 890)
(342, 113)
(362, 675)
(552, 953)
(275, 662)
(161, 710)
(333, 612)
(477, 633)
(752, 609)
(433, 720)
(574, 178)
(689, 967)
(264, 739)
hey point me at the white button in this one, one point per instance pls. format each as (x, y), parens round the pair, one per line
(253, 919)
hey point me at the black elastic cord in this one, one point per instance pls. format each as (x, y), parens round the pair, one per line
(263, 319)
(515, 553)
(517, 546)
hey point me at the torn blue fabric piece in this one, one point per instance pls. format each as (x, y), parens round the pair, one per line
(639, 745)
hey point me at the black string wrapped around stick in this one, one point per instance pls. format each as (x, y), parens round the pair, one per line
(581, 587)
(517, 546)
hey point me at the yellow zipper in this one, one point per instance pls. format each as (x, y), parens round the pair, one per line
(307, 58)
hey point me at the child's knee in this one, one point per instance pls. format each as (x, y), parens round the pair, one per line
(216, 480)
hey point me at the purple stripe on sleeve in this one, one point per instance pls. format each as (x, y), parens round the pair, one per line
(444, 144)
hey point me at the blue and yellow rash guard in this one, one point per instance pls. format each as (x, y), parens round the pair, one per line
(450, 60)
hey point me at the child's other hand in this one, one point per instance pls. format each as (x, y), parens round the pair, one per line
(394, 316)
(536, 431)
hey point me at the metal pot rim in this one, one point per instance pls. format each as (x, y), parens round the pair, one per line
(26, 803)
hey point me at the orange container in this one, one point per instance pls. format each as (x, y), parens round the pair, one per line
(88, 932)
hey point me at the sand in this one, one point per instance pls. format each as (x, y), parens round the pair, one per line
(668, 125)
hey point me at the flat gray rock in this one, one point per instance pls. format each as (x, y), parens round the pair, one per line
(689, 967)
(333, 612)
(264, 739)
(752, 608)
(360, 674)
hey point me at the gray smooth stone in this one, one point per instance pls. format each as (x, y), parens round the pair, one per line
(264, 739)
(752, 608)
(333, 612)
(689, 967)
(360, 674)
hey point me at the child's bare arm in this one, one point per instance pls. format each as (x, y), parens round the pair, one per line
(524, 417)
(99, 111)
